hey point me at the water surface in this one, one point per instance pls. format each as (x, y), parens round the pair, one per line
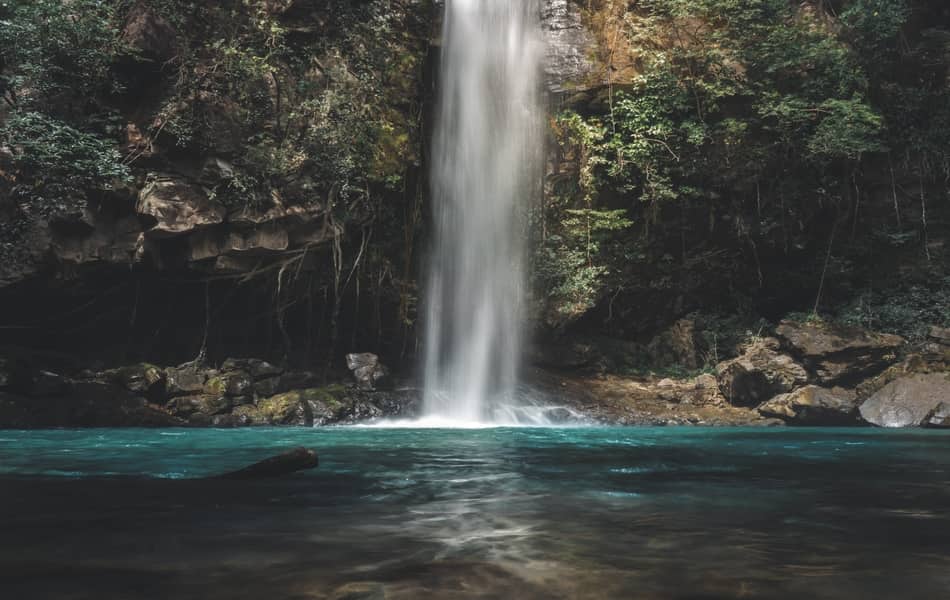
(482, 513)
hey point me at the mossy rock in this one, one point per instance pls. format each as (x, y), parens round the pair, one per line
(285, 409)
(249, 414)
(216, 385)
(305, 407)
(205, 404)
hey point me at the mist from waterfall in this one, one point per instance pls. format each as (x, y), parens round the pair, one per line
(486, 166)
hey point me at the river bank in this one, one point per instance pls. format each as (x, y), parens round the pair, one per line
(807, 374)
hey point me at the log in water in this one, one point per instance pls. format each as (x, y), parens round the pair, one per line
(286, 463)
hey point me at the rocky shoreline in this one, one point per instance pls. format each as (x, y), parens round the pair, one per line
(806, 374)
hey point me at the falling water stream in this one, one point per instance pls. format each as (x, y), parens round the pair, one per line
(485, 168)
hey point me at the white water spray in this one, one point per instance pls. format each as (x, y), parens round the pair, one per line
(486, 166)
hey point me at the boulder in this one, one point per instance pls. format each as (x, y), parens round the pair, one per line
(256, 368)
(248, 415)
(814, 405)
(285, 409)
(403, 403)
(229, 383)
(185, 379)
(838, 354)
(207, 405)
(759, 374)
(176, 206)
(910, 401)
(367, 370)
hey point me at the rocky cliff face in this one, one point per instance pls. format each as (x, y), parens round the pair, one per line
(570, 47)
(247, 180)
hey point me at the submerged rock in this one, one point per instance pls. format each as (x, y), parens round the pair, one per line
(759, 374)
(910, 401)
(838, 354)
(814, 405)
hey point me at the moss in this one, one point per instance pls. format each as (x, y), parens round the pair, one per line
(282, 409)
(216, 385)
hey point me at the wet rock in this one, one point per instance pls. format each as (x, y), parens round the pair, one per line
(405, 403)
(203, 404)
(368, 371)
(176, 206)
(908, 401)
(248, 415)
(940, 416)
(759, 374)
(285, 409)
(230, 383)
(294, 460)
(838, 354)
(814, 405)
(228, 421)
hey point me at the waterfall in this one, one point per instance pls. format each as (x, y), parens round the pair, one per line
(486, 166)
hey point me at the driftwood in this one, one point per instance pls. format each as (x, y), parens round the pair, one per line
(297, 459)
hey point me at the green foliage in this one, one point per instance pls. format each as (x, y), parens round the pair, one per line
(849, 129)
(743, 130)
(59, 54)
(908, 311)
(56, 167)
(308, 118)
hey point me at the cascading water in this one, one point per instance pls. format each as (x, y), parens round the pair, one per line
(486, 166)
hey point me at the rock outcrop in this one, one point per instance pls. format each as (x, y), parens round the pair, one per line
(242, 392)
(912, 401)
(569, 46)
(814, 405)
(367, 369)
(836, 354)
(759, 374)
